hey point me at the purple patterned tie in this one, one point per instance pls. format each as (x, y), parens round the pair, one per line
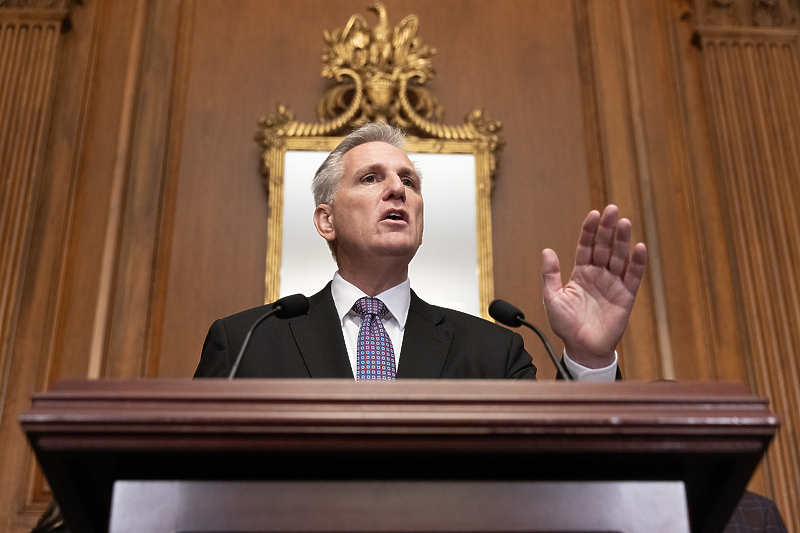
(374, 352)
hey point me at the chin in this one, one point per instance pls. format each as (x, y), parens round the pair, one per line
(401, 250)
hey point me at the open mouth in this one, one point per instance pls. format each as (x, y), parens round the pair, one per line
(394, 215)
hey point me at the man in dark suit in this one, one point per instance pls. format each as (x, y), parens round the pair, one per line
(368, 323)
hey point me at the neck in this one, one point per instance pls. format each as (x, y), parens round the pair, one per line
(375, 279)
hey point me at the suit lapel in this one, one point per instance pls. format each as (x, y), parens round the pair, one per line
(425, 342)
(318, 336)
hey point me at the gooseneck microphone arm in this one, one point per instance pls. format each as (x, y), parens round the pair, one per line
(286, 307)
(510, 316)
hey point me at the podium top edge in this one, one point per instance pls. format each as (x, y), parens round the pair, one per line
(402, 390)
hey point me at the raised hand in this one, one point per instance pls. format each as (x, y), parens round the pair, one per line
(591, 311)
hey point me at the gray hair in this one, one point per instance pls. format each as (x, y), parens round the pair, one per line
(330, 173)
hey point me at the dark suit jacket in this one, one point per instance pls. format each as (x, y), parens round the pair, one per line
(437, 343)
(755, 514)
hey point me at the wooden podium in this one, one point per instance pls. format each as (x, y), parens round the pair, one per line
(331, 455)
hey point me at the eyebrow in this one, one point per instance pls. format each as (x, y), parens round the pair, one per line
(375, 167)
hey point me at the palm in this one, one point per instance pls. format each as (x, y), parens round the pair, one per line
(591, 311)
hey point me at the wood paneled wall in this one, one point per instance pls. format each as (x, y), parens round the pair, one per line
(133, 212)
(751, 69)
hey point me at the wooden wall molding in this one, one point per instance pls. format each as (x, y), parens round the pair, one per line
(139, 260)
(29, 45)
(747, 13)
(752, 78)
(615, 162)
(82, 191)
(31, 35)
(50, 5)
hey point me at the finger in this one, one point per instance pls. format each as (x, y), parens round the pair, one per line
(604, 237)
(551, 274)
(633, 277)
(583, 256)
(622, 244)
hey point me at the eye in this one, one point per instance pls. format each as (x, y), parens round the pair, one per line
(409, 182)
(369, 178)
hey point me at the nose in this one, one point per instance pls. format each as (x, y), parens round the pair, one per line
(395, 187)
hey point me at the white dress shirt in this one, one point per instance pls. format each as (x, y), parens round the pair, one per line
(397, 301)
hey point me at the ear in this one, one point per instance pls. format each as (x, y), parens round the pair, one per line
(323, 221)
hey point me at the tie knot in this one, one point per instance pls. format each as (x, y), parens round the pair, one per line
(370, 306)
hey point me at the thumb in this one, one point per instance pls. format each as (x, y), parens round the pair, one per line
(551, 274)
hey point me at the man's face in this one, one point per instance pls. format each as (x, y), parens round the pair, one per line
(377, 210)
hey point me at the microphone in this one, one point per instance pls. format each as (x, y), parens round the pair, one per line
(286, 307)
(510, 316)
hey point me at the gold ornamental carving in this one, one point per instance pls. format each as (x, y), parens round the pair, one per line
(380, 72)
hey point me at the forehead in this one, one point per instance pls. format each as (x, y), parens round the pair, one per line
(368, 154)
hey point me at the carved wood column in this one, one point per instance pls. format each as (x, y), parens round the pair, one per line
(751, 63)
(30, 46)
(30, 32)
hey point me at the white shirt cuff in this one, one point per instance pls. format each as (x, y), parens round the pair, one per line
(582, 373)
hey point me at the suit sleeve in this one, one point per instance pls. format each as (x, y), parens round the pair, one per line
(215, 360)
(520, 363)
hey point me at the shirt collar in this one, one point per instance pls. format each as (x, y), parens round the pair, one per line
(397, 299)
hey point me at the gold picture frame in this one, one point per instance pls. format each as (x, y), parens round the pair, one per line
(462, 277)
(380, 73)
